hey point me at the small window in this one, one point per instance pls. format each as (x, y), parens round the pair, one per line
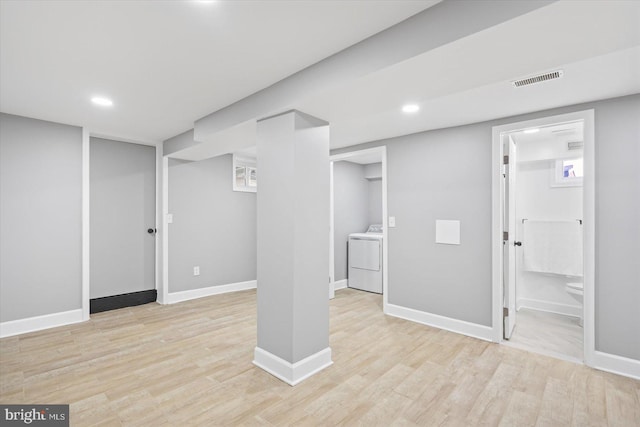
(244, 174)
(568, 173)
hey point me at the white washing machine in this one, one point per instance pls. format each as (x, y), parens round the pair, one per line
(365, 260)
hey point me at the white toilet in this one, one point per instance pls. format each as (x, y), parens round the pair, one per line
(576, 290)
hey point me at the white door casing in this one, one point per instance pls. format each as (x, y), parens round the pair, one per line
(510, 246)
(498, 222)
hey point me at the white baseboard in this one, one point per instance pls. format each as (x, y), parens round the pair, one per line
(454, 325)
(340, 284)
(617, 364)
(292, 373)
(551, 307)
(38, 323)
(174, 297)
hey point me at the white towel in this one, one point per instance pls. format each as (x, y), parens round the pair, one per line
(553, 247)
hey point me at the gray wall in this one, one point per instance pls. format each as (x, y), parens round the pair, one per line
(213, 226)
(455, 183)
(375, 201)
(373, 173)
(617, 135)
(40, 217)
(350, 210)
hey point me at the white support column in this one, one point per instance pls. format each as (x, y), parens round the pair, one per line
(293, 260)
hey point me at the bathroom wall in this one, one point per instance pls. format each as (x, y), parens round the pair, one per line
(536, 199)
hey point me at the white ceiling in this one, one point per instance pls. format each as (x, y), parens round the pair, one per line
(596, 43)
(165, 64)
(560, 133)
(550, 143)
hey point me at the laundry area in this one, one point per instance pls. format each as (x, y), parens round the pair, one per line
(358, 247)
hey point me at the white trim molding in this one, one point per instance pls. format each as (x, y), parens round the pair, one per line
(617, 364)
(174, 297)
(159, 218)
(441, 322)
(38, 323)
(163, 291)
(292, 373)
(550, 307)
(340, 284)
(86, 223)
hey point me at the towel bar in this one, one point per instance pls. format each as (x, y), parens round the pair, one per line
(527, 219)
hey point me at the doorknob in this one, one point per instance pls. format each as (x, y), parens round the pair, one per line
(517, 243)
(151, 231)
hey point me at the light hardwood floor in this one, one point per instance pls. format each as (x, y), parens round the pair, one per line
(190, 364)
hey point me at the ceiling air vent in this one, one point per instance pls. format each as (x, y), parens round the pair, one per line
(575, 145)
(538, 79)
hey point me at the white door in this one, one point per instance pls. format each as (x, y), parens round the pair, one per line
(123, 200)
(511, 245)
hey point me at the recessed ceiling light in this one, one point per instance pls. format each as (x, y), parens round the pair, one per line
(410, 108)
(102, 101)
(533, 130)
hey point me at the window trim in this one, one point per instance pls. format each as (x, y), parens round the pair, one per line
(248, 164)
(557, 175)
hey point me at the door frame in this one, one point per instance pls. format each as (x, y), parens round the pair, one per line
(382, 151)
(588, 222)
(86, 215)
(509, 206)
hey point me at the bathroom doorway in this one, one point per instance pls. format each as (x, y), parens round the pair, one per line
(546, 219)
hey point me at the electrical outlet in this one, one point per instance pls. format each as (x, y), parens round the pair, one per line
(392, 221)
(169, 218)
(196, 271)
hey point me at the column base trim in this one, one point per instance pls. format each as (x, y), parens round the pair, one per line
(292, 373)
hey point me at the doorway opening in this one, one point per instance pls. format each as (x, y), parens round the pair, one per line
(543, 245)
(358, 232)
(122, 266)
